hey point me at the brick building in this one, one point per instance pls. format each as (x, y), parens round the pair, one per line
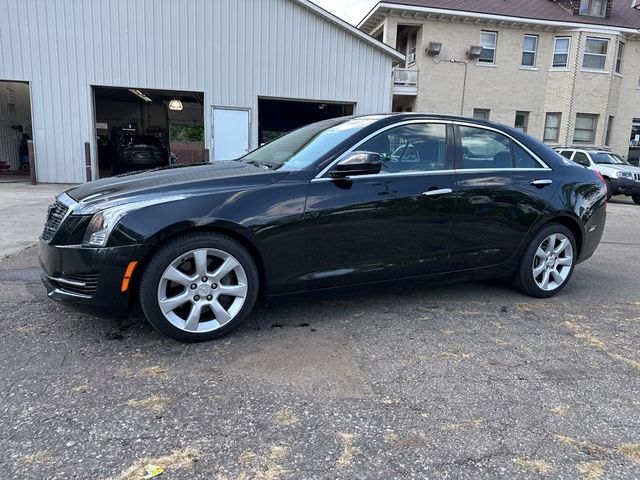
(566, 71)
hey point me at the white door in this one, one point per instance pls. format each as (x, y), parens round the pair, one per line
(230, 133)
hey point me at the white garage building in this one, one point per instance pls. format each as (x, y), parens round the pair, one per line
(238, 73)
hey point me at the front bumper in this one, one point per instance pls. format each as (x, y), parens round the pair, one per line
(91, 277)
(625, 186)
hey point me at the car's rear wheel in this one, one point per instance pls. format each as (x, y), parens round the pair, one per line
(636, 199)
(547, 263)
(198, 287)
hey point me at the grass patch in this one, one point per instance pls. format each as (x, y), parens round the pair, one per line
(40, 458)
(154, 403)
(630, 450)
(278, 453)
(590, 470)
(534, 466)
(583, 334)
(349, 452)
(176, 460)
(247, 456)
(285, 417)
(463, 426)
(587, 447)
(560, 410)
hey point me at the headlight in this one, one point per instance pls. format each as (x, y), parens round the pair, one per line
(103, 222)
(624, 174)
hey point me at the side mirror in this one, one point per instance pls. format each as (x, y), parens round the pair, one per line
(358, 163)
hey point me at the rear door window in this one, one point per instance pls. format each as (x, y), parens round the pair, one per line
(484, 149)
(524, 159)
(582, 159)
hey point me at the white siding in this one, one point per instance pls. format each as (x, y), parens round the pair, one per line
(233, 50)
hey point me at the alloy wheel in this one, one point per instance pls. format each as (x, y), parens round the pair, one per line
(202, 290)
(552, 262)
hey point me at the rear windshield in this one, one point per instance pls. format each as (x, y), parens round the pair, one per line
(138, 141)
(608, 158)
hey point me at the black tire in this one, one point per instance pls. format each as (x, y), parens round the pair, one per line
(523, 280)
(636, 199)
(174, 249)
(607, 182)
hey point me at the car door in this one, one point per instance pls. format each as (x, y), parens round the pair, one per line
(396, 223)
(501, 189)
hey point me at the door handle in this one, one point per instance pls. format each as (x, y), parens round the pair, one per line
(437, 193)
(541, 183)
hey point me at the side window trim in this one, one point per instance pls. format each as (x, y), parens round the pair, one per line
(322, 176)
(458, 158)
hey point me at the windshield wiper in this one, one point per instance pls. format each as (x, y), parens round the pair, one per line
(260, 164)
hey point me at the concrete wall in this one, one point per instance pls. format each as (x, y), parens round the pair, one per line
(232, 50)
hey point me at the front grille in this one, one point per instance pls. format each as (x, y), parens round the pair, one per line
(84, 284)
(55, 215)
(636, 177)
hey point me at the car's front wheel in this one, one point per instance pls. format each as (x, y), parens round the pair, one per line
(607, 183)
(636, 199)
(547, 263)
(198, 287)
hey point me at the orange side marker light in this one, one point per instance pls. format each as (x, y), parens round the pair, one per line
(127, 276)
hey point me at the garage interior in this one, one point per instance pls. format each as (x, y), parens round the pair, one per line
(277, 117)
(15, 129)
(175, 118)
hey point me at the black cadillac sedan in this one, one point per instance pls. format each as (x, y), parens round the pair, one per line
(342, 202)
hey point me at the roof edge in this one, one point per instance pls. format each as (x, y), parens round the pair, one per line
(493, 16)
(396, 55)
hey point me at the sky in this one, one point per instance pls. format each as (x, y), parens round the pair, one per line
(350, 10)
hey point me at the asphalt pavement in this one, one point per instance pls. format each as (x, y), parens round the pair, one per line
(460, 381)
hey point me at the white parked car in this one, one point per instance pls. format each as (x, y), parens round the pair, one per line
(621, 177)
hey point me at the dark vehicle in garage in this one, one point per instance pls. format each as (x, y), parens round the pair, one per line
(140, 152)
(107, 153)
(342, 202)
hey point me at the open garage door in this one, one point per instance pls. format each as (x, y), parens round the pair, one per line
(139, 129)
(279, 116)
(15, 130)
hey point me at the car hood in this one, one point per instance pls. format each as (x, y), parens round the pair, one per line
(621, 168)
(188, 180)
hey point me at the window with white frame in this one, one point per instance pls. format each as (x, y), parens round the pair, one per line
(522, 121)
(413, 47)
(595, 53)
(529, 49)
(585, 129)
(552, 127)
(488, 40)
(619, 56)
(593, 8)
(561, 48)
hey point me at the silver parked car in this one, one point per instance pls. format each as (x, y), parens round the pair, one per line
(621, 177)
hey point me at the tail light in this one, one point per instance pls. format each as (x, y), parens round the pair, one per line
(599, 175)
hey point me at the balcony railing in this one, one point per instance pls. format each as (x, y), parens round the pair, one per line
(405, 81)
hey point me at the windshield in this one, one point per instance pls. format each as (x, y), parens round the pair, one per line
(302, 147)
(608, 158)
